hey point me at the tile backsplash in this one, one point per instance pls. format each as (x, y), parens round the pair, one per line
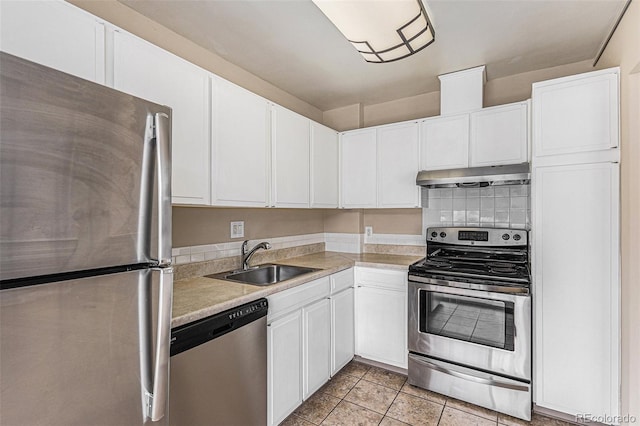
(492, 206)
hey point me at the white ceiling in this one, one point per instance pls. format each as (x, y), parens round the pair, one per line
(291, 44)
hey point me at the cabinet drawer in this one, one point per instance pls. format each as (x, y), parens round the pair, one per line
(382, 278)
(297, 297)
(341, 280)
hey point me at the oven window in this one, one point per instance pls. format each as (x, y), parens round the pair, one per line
(482, 321)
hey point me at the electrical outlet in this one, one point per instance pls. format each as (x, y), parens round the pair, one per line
(368, 231)
(237, 229)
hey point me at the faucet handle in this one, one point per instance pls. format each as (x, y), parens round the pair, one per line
(243, 250)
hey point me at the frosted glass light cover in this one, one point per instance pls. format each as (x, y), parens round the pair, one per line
(381, 30)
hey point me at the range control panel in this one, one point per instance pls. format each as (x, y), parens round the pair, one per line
(478, 236)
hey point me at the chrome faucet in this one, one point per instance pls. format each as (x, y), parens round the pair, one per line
(246, 256)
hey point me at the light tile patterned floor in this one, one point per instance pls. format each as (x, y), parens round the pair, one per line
(363, 395)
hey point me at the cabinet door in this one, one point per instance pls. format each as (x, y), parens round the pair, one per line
(284, 367)
(240, 146)
(576, 277)
(290, 161)
(444, 142)
(576, 114)
(146, 71)
(397, 151)
(324, 166)
(499, 135)
(317, 346)
(358, 168)
(342, 329)
(55, 34)
(381, 321)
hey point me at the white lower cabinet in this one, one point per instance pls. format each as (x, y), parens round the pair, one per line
(284, 371)
(576, 296)
(342, 319)
(381, 315)
(342, 329)
(303, 345)
(316, 352)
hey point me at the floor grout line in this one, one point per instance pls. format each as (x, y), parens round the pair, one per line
(446, 404)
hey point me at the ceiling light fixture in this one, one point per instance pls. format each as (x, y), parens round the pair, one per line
(381, 30)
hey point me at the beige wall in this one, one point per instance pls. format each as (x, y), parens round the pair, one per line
(517, 87)
(344, 118)
(128, 19)
(343, 221)
(624, 50)
(496, 92)
(383, 221)
(394, 221)
(208, 225)
(420, 106)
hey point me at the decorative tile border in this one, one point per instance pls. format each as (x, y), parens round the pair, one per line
(395, 239)
(202, 253)
(341, 242)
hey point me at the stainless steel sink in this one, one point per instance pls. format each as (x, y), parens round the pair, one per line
(264, 275)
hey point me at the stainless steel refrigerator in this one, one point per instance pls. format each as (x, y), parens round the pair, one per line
(85, 251)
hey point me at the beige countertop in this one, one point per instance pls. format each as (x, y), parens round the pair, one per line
(200, 297)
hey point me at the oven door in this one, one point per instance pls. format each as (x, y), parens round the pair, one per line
(486, 330)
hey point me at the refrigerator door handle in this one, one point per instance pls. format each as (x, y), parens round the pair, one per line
(158, 401)
(163, 149)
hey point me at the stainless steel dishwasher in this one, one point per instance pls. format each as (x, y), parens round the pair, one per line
(219, 369)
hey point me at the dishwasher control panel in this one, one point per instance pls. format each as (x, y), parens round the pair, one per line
(247, 309)
(199, 332)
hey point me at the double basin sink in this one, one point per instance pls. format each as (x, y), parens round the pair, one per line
(264, 275)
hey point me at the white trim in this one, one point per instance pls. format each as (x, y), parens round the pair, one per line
(396, 239)
(344, 242)
(340, 242)
(182, 255)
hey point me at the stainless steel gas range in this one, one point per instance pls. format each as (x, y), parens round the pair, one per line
(470, 318)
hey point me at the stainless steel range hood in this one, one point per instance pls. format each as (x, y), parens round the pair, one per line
(513, 174)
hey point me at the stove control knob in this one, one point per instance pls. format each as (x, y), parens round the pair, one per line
(517, 237)
(505, 237)
(443, 234)
(434, 234)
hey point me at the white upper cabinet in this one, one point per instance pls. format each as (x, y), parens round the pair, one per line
(576, 114)
(499, 135)
(324, 167)
(487, 137)
(146, 71)
(445, 142)
(290, 158)
(398, 162)
(240, 146)
(358, 169)
(55, 34)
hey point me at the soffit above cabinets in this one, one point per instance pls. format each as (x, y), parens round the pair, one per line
(292, 44)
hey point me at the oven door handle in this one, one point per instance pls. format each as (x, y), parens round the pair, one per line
(469, 377)
(503, 289)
